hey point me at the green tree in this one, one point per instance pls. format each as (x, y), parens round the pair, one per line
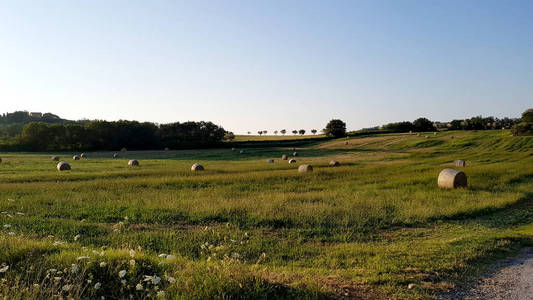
(301, 131)
(336, 128)
(423, 124)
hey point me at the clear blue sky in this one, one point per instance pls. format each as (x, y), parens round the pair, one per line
(251, 65)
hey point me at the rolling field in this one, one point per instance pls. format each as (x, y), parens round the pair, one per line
(376, 227)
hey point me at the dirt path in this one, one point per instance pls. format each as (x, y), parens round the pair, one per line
(510, 280)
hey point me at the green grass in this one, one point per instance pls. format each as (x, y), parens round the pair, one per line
(245, 228)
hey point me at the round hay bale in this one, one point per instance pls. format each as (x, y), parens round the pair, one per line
(241, 152)
(197, 167)
(167, 149)
(115, 155)
(55, 158)
(133, 162)
(292, 161)
(76, 157)
(427, 136)
(460, 163)
(270, 161)
(305, 168)
(63, 166)
(451, 179)
(293, 149)
(295, 154)
(418, 134)
(83, 155)
(346, 143)
(284, 157)
(452, 137)
(334, 163)
(123, 150)
(435, 133)
(232, 149)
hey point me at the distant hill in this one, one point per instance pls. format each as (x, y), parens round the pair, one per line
(11, 124)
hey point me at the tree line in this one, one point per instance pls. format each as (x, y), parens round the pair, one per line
(474, 123)
(113, 136)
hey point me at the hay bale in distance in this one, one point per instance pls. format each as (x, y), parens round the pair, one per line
(460, 163)
(334, 163)
(63, 166)
(284, 157)
(76, 157)
(427, 136)
(418, 134)
(292, 161)
(167, 149)
(451, 179)
(123, 150)
(197, 167)
(232, 149)
(55, 158)
(295, 154)
(241, 152)
(452, 137)
(133, 162)
(115, 155)
(435, 133)
(270, 161)
(83, 155)
(305, 168)
(346, 143)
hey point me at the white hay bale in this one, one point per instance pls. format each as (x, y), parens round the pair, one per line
(284, 157)
(292, 161)
(123, 150)
(197, 167)
(55, 158)
(435, 133)
(452, 137)
(167, 149)
(346, 143)
(334, 163)
(241, 152)
(115, 155)
(270, 161)
(63, 166)
(451, 179)
(418, 134)
(427, 136)
(83, 155)
(133, 162)
(295, 154)
(460, 163)
(305, 168)
(76, 157)
(232, 149)
(293, 149)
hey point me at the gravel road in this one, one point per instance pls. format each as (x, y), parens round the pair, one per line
(511, 279)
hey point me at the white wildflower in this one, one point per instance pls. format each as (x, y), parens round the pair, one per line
(77, 237)
(132, 253)
(83, 257)
(156, 280)
(20, 213)
(57, 278)
(11, 233)
(161, 294)
(75, 268)
(4, 269)
(7, 226)
(123, 281)
(97, 285)
(170, 279)
(103, 264)
(132, 262)
(122, 273)
(162, 255)
(139, 287)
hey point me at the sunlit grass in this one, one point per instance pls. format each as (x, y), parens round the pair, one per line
(246, 228)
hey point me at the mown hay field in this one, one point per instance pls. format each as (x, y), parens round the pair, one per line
(377, 226)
